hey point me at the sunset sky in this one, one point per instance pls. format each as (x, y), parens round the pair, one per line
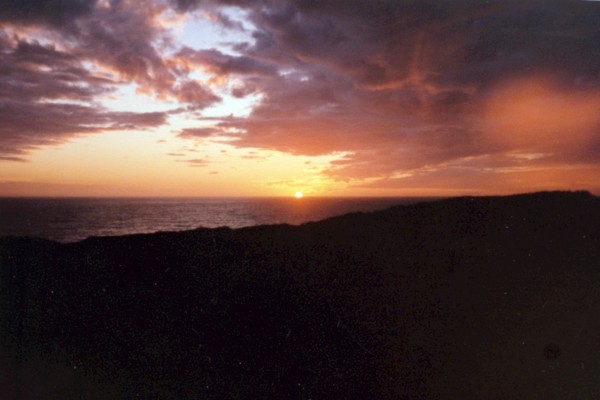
(272, 97)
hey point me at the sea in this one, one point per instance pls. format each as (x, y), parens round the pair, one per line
(73, 219)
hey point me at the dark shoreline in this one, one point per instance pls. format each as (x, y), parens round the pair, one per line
(70, 220)
(471, 297)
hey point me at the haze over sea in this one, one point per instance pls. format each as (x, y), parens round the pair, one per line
(73, 219)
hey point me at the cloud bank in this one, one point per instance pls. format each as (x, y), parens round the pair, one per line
(416, 94)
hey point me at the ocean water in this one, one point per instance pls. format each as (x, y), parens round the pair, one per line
(74, 219)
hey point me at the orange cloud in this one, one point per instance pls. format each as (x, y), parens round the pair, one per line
(538, 113)
(463, 181)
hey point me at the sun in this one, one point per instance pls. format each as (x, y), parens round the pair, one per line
(298, 195)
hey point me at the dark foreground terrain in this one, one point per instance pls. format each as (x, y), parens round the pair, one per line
(467, 298)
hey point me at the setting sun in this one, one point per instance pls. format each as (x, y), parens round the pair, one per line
(298, 195)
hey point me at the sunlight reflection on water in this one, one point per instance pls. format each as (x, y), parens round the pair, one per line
(73, 219)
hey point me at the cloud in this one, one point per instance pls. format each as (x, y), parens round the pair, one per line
(195, 162)
(402, 89)
(459, 181)
(46, 97)
(72, 54)
(191, 5)
(222, 64)
(539, 114)
(417, 86)
(192, 133)
(54, 12)
(33, 72)
(123, 37)
(195, 94)
(27, 126)
(129, 41)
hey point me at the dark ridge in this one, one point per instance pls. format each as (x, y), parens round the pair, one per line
(464, 298)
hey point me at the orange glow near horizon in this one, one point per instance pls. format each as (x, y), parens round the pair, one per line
(157, 164)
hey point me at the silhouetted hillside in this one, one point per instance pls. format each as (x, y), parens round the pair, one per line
(466, 298)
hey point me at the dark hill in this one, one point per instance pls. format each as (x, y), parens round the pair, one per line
(466, 298)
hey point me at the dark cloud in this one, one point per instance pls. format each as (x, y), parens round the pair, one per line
(195, 94)
(46, 97)
(27, 126)
(385, 42)
(441, 43)
(191, 5)
(123, 37)
(191, 133)
(222, 64)
(414, 85)
(187, 5)
(54, 12)
(31, 72)
(11, 158)
(245, 89)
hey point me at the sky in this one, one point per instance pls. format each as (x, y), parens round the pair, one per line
(272, 97)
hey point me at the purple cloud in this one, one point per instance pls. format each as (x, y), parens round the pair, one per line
(54, 12)
(223, 64)
(413, 86)
(402, 88)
